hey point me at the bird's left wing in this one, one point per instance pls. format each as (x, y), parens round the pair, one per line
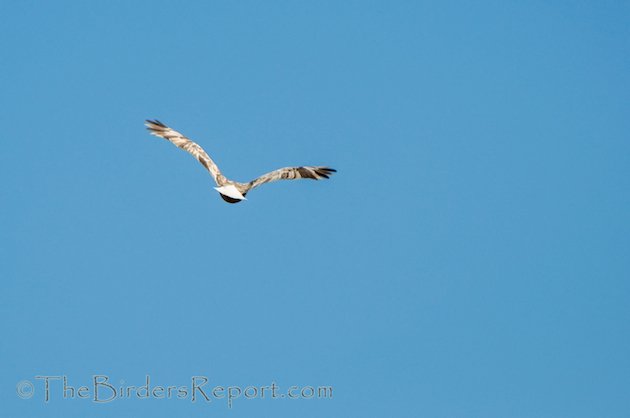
(293, 173)
(157, 128)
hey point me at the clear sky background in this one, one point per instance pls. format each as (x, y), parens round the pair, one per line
(469, 259)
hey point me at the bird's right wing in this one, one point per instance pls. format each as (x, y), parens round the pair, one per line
(157, 128)
(293, 173)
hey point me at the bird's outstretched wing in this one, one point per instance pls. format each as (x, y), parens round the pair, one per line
(157, 128)
(293, 173)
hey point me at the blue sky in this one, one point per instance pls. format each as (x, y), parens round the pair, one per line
(469, 259)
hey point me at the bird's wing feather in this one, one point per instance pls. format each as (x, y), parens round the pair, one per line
(293, 173)
(157, 128)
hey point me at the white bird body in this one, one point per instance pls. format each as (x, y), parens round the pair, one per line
(233, 191)
(230, 191)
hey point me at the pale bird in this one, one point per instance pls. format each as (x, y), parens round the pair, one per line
(233, 191)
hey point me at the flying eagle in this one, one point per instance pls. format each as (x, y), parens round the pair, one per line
(233, 191)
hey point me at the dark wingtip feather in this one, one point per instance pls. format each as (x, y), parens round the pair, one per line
(155, 122)
(324, 172)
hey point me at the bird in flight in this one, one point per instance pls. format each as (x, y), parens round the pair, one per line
(233, 191)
